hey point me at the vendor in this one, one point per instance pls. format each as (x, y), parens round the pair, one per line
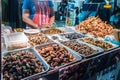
(38, 13)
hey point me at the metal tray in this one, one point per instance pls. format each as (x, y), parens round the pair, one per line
(100, 50)
(91, 46)
(42, 30)
(114, 46)
(78, 57)
(67, 29)
(3, 47)
(46, 66)
(43, 35)
(63, 35)
(64, 29)
(59, 38)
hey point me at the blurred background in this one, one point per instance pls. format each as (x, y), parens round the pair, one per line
(67, 12)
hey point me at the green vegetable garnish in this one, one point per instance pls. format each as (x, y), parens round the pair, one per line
(17, 57)
(24, 67)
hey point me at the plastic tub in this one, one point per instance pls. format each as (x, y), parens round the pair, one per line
(16, 41)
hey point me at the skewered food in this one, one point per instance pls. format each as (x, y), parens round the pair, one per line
(80, 48)
(99, 43)
(95, 26)
(21, 64)
(55, 55)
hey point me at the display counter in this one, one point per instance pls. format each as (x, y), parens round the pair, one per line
(59, 54)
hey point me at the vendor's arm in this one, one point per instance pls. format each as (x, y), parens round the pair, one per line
(26, 14)
(27, 20)
(52, 15)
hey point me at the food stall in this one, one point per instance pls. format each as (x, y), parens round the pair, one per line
(65, 53)
(87, 51)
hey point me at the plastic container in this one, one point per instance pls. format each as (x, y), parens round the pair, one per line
(16, 41)
(76, 56)
(3, 48)
(5, 30)
(35, 76)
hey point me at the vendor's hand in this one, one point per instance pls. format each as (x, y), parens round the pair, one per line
(35, 26)
(52, 20)
(45, 25)
(50, 25)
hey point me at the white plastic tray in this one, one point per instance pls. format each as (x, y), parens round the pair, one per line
(32, 31)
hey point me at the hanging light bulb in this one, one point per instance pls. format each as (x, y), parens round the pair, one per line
(107, 5)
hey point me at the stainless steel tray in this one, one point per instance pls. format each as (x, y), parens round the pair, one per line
(114, 45)
(3, 47)
(67, 29)
(62, 37)
(64, 29)
(46, 66)
(43, 35)
(58, 38)
(91, 46)
(72, 35)
(100, 50)
(78, 57)
(42, 30)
